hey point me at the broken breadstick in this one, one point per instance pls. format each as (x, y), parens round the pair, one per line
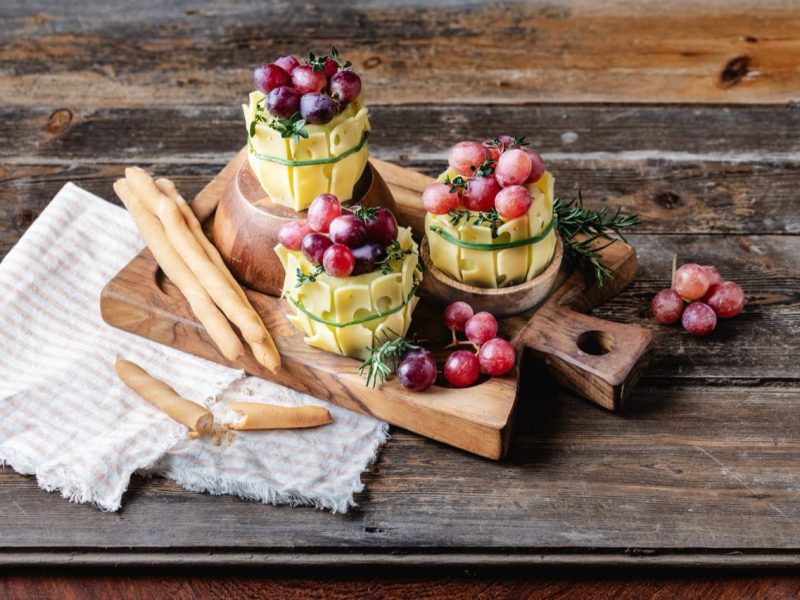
(270, 416)
(163, 397)
(153, 234)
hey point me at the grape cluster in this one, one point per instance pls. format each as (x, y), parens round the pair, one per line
(343, 241)
(318, 89)
(709, 297)
(489, 175)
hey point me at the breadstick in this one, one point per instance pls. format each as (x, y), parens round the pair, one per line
(265, 352)
(163, 397)
(269, 416)
(153, 234)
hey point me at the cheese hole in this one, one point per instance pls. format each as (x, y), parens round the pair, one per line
(384, 303)
(337, 139)
(360, 314)
(467, 265)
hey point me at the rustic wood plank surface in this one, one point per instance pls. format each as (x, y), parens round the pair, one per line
(684, 112)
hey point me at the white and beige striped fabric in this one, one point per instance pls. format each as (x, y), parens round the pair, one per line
(68, 420)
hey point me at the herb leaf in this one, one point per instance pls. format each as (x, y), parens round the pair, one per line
(489, 219)
(365, 213)
(303, 277)
(393, 253)
(456, 183)
(383, 359)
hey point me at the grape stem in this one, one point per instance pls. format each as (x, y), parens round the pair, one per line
(457, 342)
(674, 268)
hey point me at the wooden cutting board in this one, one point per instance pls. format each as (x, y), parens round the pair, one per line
(599, 359)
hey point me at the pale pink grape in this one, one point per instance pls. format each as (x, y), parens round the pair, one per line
(480, 328)
(726, 299)
(438, 199)
(691, 281)
(699, 319)
(324, 209)
(513, 201)
(513, 167)
(291, 235)
(480, 193)
(537, 166)
(456, 315)
(667, 306)
(466, 157)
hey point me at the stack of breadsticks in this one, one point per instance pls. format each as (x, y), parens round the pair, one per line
(176, 239)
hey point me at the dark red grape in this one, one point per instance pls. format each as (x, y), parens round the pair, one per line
(513, 167)
(513, 201)
(480, 193)
(367, 257)
(667, 306)
(480, 328)
(287, 63)
(338, 260)
(456, 315)
(726, 299)
(283, 102)
(317, 108)
(268, 77)
(330, 67)
(382, 227)
(416, 353)
(462, 368)
(292, 234)
(348, 229)
(497, 357)
(466, 157)
(314, 246)
(537, 166)
(699, 319)
(345, 86)
(691, 281)
(416, 372)
(438, 199)
(324, 209)
(306, 80)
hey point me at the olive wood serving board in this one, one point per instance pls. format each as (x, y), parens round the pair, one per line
(600, 360)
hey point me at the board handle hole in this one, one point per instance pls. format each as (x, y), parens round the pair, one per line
(596, 342)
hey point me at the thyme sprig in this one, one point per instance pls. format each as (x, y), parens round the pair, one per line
(519, 142)
(318, 62)
(486, 169)
(393, 253)
(490, 219)
(365, 213)
(303, 277)
(382, 360)
(456, 183)
(292, 127)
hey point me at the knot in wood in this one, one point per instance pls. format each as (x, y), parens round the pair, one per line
(669, 200)
(59, 120)
(735, 70)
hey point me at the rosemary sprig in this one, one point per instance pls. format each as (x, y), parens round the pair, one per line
(303, 277)
(383, 359)
(394, 253)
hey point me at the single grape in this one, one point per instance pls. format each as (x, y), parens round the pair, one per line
(317, 108)
(537, 166)
(324, 209)
(513, 167)
(513, 201)
(348, 229)
(338, 260)
(417, 372)
(314, 246)
(438, 199)
(283, 102)
(345, 86)
(699, 319)
(480, 328)
(382, 227)
(726, 299)
(330, 66)
(492, 151)
(466, 157)
(367, 256)
(456, 315)
(497, 357)
(291, 235)
(268, 77)
(287, 63)
(462, 368)
(306, 80)
(691, 281)
(667, 306)
(480, 193)
(416, 353)
(713, 275)
(506, 141)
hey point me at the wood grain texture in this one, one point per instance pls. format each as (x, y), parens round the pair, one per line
(582, 51)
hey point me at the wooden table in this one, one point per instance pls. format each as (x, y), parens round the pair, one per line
(684, 112)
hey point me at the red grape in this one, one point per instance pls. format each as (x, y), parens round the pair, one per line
(338, 260)
(348, 229)
(462, 368)
(480, 328)
(317, 108)
(492, 151)
(287, 63)
(691, 281)
(345, 86)
(466, 157)
(497, 357)
(314, 246)
(330, 66)
(480, 193)
(713, 275)
(506, 141)
(667, 306)
(699, 319)
(324, 209)
(726, 299)
(513, 167)
(306, 80)
(283, 102)
(456, 315)
(416, 353)
(367, 256)
(382, 227)
(513, 201)
(417, 372)
(537, 166)
(268, 77)
(438, 199)
(291, 235)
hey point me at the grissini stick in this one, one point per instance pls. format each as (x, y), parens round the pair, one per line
(269, 416)
(153, 234)
(263, 351)
(163, 397)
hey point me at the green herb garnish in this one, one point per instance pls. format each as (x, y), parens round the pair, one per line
(456, 183)
(291, 127)
(303, 277)
(486, 169)
(365, 213)
(489, 219)
(383, 359)
(394, 253)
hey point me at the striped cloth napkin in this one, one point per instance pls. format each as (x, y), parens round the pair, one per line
(66, 418)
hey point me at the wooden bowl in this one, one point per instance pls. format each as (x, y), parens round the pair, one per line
(247, 222)
(501, 302)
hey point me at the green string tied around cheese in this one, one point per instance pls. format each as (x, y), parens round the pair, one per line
(371, 317)
(492, 247)
(310, 162)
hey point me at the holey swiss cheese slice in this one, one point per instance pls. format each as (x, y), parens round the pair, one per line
(349, 315)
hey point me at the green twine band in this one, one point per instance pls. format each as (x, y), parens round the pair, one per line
(307, 163)
(490, 247)
(371, 317)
